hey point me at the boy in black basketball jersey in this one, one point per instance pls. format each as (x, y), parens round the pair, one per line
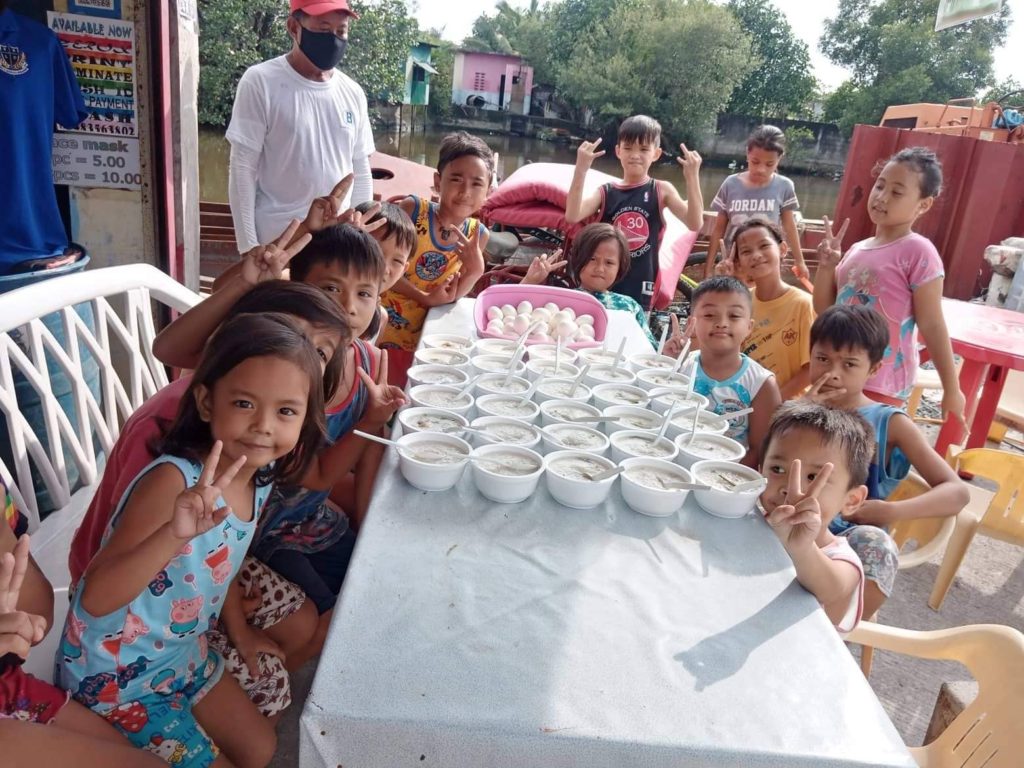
(635, 205)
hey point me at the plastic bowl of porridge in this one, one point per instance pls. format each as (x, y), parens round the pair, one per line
(633, 443)
(494, 384)
(504, 347)
(446, 341)
(503, 430)
(545, 368)
(562, 411)
(573, 437)
(440, 396)
(506, 474)
(651, 361)
(596, 356)
(437, 374)
(706, 422)
(722, 476)
(559, 389)
(431, 461)
(607, 395)
(431, 420)
(436, 356)
(706, 446)
(608, 374)
(643, 486)
(509, 406)
(484, 364)
(658, 378)
(567, 473)
(633, 417)
(547, 352)
(662, 401)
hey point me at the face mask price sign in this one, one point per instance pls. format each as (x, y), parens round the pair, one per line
(80, 160)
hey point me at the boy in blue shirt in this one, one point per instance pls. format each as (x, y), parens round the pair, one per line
(636, 204)
(847, 346)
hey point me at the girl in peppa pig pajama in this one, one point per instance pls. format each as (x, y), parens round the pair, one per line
(134, 649)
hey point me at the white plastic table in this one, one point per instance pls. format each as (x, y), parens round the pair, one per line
(474, 634)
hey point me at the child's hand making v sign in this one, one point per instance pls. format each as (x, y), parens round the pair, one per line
(194, 511)
(19, 631)
(798, 522)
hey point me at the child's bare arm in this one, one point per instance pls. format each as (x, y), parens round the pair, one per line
(800, 381)
(180, 344)
(140, 545)
(36, 595)
(577, 208)
(714, 243)
(335, 462)
(248, 640)
(691, 210)
(798, 524)
(789, 228)
(947, 495)
(471, 254)
(833, 582)
(765, 402)
(830, 253)
(159, 519)
(928, 314)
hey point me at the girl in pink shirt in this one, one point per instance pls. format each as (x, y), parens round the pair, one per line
(899, 274)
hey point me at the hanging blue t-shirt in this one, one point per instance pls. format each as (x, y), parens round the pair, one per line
(37, 90)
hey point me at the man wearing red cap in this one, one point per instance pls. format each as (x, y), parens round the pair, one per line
(298, 126)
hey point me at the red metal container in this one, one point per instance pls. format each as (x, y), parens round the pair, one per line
(982, 200)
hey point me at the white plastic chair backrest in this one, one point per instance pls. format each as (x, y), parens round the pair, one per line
(40, 660)
(124, 338)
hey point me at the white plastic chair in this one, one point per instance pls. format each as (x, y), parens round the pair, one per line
(122, 300)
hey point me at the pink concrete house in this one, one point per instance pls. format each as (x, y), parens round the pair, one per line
(492, 81)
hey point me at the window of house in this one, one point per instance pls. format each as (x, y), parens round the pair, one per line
(480, 82)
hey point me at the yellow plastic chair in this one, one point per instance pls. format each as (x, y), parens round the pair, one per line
(930, 533)
(999, 515)
(987, 732)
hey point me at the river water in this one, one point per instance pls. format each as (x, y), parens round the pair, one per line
(817, 194)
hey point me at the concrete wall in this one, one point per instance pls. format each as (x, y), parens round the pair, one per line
(827, 153)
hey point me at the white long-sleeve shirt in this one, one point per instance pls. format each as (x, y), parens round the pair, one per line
(292, 139)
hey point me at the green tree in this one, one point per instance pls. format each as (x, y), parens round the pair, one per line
(897, 58)
(440, 105)
(677, 60)
(379, 44)
(1009, 88)
(781, 85)
(235, 34)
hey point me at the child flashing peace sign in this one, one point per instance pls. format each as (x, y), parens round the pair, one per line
(816, 461)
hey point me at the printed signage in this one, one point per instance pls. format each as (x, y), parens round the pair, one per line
(80, 160)
(104, 150)
(102, 53)
(954, 12)
(108, 8)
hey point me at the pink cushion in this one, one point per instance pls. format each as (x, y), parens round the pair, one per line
(545, 182)
(676, 244)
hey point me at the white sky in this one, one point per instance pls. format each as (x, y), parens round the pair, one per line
(806, 17)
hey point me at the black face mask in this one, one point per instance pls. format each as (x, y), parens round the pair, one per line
(324, 49)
